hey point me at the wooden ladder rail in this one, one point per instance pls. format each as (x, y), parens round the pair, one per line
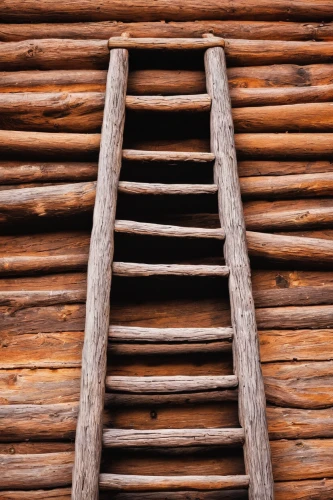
(88, 441)
(251, 393)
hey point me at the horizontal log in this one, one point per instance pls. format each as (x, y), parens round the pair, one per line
(20, 422)
(169, 438)
(134, 400)
(281, 118)
(292, 423)
(119, 349)
(299, 345)
(167, 156)
(196, 102)
(290, 248)
(177, 11)
(298, 296)
(295, 317)
(53, 494)
(60, 53)
(287, 186)
(250, 146)
(321, 489)
(45, 264)
(165, 43)
(23, 299)
(27, 172)
(146, 229)
(117, 482)
(283, 168)
(279, 96)
(133, 269)
(187, 335)
(49, 470)
(299, 385)
(259, 30)
(289, 459)
(167, 384)
(162, 189)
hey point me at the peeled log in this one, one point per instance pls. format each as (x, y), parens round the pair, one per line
(293, 423)
(259, 30)
(124, 10)
(305, 490)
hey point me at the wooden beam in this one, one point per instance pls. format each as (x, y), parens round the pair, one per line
(196, 102)
(162, 189)
(258, 30)
(134, 269)
(53, 494)
(294, 490)
(164, 43)
(169, 385)
(187, 335)
(117, 482)
(297, 296)
(177, 11)
(44, 264)
(294, 423)
(283, 168)
(203, 397)
(295, 317)
(166, 156)
(88, 442)
(48, 470)
(170, 438)
(252, 401)
(146, 229)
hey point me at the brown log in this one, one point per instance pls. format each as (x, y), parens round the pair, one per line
(168, 349)
(289, 459)
(54, 494)
(23, 299)
(26, 172)
(44, 264)
(283, 168)
(260, 30)
(299, 345)
(299, 385)
(164, 43)
(117, 482)
(293, 118)
(40, 386)
(290, 248)
(298, 296)
(88, 441)
(127, 11)
(252, 402)
(295, 317)
(166, 385)
(179, 495)
(57, 53)
(305, 490)
(130, 400)
(49, 470)
(291, 423)
(287, 186)
(170, 438)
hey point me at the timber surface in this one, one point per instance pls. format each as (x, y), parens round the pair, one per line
(52, 82)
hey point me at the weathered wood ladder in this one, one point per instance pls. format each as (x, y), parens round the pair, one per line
(90, 436)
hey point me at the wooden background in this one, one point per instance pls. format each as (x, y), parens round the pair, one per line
(52, 82)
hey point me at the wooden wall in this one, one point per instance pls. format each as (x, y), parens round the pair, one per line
(52, 84)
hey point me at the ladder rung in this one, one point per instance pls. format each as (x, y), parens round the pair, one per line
(151, 188)
(142, 334)
(172, 384)
(120, 42)
(196, 102)
(135, 269)
(167, 156)
(169, 438)
(148, 229)
(119, 482)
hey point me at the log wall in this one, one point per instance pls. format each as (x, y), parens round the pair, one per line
(52, 85)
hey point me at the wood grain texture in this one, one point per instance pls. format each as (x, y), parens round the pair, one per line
(294, 423)
(187, 335)
(170, 438)
(316, 317)
(166, 156)
(304, 490)
(260, 30)
(164, 43)
(252, 401)
(147, 229)
(88, 440)
(168, 384)
(53, 494)
(48, 470)
(117, 482)
(162, 189)
(133, 269)
(196, 102)
(283, 168)
(127, 11)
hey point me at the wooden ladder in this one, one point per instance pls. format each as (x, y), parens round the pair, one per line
(90, 436)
